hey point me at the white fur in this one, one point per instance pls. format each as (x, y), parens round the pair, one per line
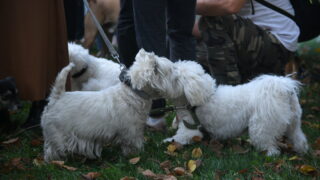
(101, 73)
(267, 106)
(81, 122)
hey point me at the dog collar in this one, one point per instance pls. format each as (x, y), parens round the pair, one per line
(125, 79)
(80, 73)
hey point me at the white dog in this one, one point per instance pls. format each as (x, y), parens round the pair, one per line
(80, 122)
(267, 106)
(91, 73)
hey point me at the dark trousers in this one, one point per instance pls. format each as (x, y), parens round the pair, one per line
(160, 26)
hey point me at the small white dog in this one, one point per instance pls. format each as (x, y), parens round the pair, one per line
(91, 73)
(80, 122)
(267, 106)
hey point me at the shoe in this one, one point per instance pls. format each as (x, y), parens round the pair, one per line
(35, 113)
(158, 124)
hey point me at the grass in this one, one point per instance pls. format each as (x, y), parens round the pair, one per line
(23, 159)
(231, 164)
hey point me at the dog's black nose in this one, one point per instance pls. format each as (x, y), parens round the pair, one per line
(123, 77)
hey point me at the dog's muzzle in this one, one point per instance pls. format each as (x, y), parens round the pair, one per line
(125, 79)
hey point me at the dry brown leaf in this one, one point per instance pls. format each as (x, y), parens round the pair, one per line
(167, 177)
(316, 144)
(191, 166)
(307, 169)
(196, 153)
(148, 173)
(165, 164)
(239, 150)
(310, 116)
(256, 178)
(91, 175)
(36, 142)
(315, 108)
(11, 141)
(17, 163)
(316, 153)
(216, 147)
(196, 139)
(295, 158)
(61, 164)
(128, 178)
(179, 171)
(38, 162)
(134, 160)
(171, 148)
(242, 171)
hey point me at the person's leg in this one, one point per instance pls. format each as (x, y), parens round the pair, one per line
(238, 50)
(222, 58)
(126, 36)
(180, 21)
(150, 27)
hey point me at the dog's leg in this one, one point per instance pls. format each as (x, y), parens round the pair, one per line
(263, 134)
(132, 140)
(294, 132)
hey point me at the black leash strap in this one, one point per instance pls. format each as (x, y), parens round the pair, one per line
(275, 8)
(113, 52)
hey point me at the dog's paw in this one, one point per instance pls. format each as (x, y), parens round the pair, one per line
(273, 151)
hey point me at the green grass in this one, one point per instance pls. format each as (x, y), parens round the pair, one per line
(113, 165)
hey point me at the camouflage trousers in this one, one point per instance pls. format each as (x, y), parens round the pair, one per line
(235, 50)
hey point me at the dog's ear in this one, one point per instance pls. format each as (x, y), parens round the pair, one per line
(197, 86)
(142, 69)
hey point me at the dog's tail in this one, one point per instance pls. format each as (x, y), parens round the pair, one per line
(274, 94)
(59, 86)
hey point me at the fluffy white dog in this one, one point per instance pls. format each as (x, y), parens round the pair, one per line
(91, 73)
(80, 122)
(267, 106)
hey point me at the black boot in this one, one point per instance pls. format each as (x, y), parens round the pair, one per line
(35, 113)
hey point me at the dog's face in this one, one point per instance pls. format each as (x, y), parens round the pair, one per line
(9, 94)
(172, 80)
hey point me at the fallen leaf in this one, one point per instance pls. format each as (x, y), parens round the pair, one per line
(165, 164)
(239, 150)
(17, 163)
(128, 178)
(36, 142)
(171, 148)
(216, 147)
(196, 139)
(38, 162)
(295, 158)
(179, 171)
(242, 171)
(310, 116)
(148, 173)
(307, 169)
(91, 175)
(316, 153)
(315, 108)
(11, 141)
(61, 164)
(198, 162)
(196, 153)
(316, 144)
(191, 166)
(134, 160)
(256, 178)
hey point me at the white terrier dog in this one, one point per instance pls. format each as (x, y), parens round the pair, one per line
(267, 106)
(91, 73)
(80, 122)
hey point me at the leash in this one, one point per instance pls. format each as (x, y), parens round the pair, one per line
(111, 49)
(123, 76)
(191, 109)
